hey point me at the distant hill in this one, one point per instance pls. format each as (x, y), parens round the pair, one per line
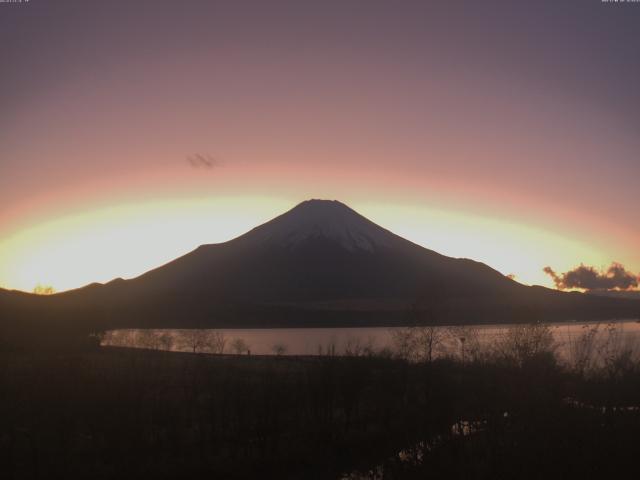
(631, 294)
(319, 264)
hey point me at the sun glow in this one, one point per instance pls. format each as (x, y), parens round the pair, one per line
(124, 240)
(128, 239)
(511, 248)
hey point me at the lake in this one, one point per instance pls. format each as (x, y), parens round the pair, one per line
(338, 341)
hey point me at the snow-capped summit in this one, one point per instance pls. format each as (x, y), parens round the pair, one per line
(324, 219)
(321, 264)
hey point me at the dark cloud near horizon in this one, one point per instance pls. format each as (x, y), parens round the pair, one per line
(586, 277)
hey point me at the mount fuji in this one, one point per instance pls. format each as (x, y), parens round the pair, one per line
(321, 264)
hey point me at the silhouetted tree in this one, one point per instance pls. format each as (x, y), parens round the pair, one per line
(520, 343)
(238, 346)
(148, 339)
(43, 290)
(166, 341)
(195, 340)
(419, 343)
(279, 349)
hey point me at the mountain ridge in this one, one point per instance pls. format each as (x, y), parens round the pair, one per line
(319, 264)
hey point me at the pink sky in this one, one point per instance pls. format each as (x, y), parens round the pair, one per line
(512, 120)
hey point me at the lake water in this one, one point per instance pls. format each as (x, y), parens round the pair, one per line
(338, 341)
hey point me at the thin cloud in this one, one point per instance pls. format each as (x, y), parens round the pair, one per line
(198, 160)
(586, 277)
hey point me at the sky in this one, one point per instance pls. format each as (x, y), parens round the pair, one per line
(503, 131)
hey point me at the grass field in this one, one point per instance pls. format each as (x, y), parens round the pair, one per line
(120, 413)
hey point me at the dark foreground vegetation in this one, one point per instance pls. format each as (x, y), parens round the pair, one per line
(125, 413)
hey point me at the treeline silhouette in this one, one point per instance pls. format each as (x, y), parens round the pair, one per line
(508, 410)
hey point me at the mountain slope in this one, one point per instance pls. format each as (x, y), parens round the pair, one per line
(322, 263)
(320, 251)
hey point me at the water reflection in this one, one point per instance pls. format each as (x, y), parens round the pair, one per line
(415, 454)
(575, 340)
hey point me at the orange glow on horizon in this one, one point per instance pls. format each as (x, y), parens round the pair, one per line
(519, 153)
(127, 239)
